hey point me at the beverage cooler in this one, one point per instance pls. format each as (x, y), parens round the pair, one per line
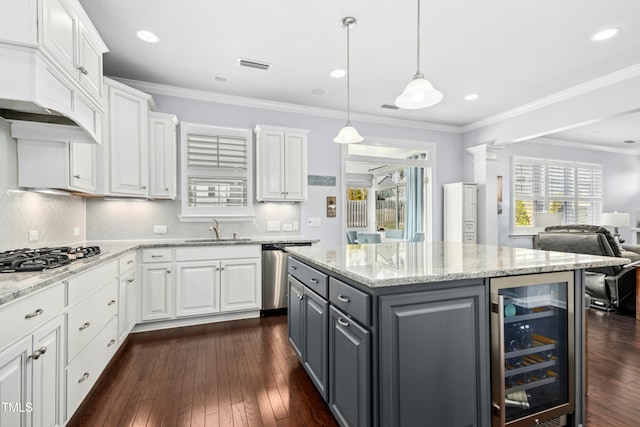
(532, 349)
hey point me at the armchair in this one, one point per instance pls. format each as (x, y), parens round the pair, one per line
(611, 287)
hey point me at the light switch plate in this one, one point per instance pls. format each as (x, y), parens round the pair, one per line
(76, 231)
(296, 226)
(315, 222)
(160, 229)
(273, 225)
(33, 235)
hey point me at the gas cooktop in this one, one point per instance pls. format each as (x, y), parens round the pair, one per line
(21, 260)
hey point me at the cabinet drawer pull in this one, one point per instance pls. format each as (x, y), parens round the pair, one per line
(83, 70)
(39, 352)
(314, 280)
(38, 312)
(300, 296)
(168, 271)
(130, 280)
(112, 342)
(84, 377)
(111, 302)
(343, 298)
(293, 267)
(343, 322)
(157, 256)
(76, 176)
(85, 326)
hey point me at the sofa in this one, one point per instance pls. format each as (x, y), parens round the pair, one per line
(610, 288)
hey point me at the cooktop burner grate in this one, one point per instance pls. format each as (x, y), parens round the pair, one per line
(41, 259)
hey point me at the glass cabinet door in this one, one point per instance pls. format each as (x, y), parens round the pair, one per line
(532, 348)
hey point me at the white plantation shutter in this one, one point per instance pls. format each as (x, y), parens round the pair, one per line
(216, 171)
(540, 185)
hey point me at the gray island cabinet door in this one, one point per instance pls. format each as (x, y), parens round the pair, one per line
(294, 315)
(349, 370)
(434, 358)
(315, 337)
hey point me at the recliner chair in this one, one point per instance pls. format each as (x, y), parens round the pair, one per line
(611, 287)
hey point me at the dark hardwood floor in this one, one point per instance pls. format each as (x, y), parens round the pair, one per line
(244, 373)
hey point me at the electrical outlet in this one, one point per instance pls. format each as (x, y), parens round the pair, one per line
(160, 229)
(33, 236)
(287, 227)
(76, 231)
(296, 226)
(273, 225)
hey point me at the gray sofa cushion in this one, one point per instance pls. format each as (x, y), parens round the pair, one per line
(583, 228)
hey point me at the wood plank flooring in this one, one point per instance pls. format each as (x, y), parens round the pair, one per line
(244, 373)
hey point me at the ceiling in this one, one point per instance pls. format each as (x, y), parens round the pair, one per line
(509, 52)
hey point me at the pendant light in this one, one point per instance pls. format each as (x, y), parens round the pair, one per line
(348, 134)
(419, 93)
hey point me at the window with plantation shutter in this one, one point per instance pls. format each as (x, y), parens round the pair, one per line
(216, 171)
(572, 189)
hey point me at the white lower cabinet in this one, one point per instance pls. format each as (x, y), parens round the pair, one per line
(126, 295)
(157, 298)
(197, 288)
(240, 284)
(30, 378)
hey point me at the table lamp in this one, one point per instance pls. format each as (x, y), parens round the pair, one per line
(615, 220)
(546, 219)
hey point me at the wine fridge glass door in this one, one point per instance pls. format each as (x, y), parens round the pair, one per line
(532, 348)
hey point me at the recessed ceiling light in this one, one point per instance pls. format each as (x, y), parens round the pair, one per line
(220, 79)
(319, 91)
(472, 97)
(338, 73)
(605, 34)
(147, 36)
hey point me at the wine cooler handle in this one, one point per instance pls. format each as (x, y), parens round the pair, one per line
(498, 404)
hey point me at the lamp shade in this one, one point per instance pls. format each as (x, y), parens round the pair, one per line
(546, 219)
(419, 93)
(348, 135)
(616, 219)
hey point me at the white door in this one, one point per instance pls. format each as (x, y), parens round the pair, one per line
(240, 285)
(47, 363)
(295, 164)
(82, 162)
(15, 384)
(156, 291)
(197, 288)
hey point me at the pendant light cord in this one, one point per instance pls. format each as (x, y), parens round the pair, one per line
(418, 41)
(348, 80)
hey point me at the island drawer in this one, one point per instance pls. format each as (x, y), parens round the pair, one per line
(309, 277)
(353, 302)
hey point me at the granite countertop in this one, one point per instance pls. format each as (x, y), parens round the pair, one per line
(16, 285)
(405, 263)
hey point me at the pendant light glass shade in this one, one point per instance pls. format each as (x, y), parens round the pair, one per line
(419, 93)
(348, 134)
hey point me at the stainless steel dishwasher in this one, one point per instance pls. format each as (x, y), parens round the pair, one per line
(274, 274)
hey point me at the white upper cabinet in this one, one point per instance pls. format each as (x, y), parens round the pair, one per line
(52, 55)
(125, 151)
(162, 155)
(281, 169)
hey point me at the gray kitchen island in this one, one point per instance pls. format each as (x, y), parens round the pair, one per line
(411, 334)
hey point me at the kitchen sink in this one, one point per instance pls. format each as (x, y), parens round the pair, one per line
(223, 240)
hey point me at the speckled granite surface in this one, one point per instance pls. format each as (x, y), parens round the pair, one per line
(16, 285)
(396, 264)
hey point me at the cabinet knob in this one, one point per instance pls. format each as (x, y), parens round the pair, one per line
(38, 312)
(111, 302)
(300, 297)
(130, 261)
(39, 352)
(83, 70)
(76, 176)
(166, 188)
(84, 377)
(144, 187)
(130, 280)
(112, 342)
(168, 271)
(85, 326)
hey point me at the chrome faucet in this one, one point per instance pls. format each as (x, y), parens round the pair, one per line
(215, 227)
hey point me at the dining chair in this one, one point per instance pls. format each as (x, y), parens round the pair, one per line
(352, 237)
(418, 237)
(369, 238)
(394, 234)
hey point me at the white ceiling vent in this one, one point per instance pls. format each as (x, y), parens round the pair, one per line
(389, 107)
(252, 63)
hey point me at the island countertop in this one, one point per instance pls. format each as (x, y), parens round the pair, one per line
(406, 263)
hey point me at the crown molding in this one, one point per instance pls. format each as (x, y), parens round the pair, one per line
(201, 95)
(600, 82)
(584, 146)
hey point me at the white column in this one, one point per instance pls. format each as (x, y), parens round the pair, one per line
(485, 174)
